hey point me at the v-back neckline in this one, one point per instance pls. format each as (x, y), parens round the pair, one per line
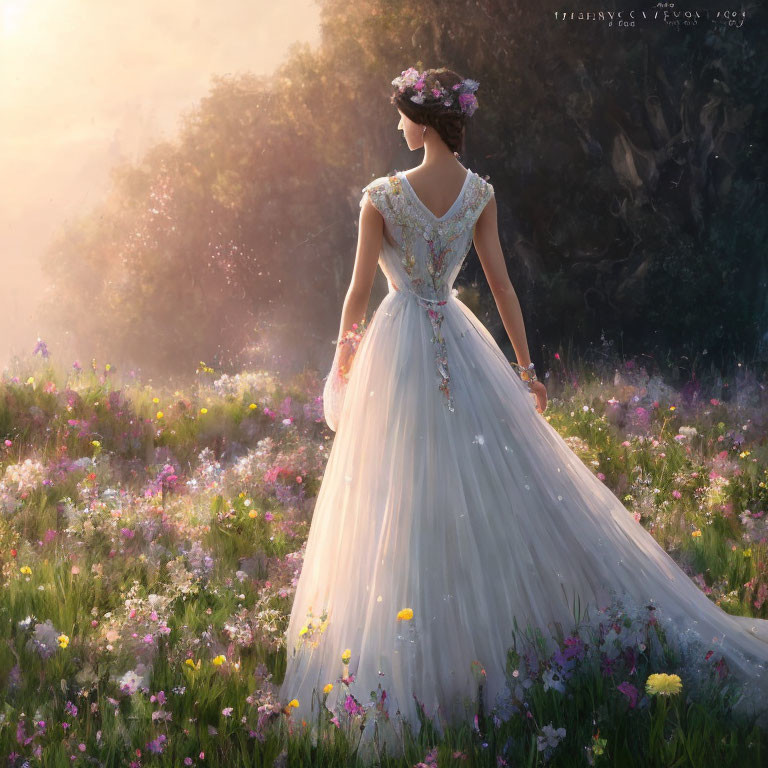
(424, 207)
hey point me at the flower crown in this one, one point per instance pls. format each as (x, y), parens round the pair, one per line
(460, 95)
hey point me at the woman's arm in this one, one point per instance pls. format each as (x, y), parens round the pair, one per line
(369, 239)
(486, 238)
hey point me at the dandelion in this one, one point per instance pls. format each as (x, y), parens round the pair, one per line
(155, 400)
(662, 684)
(405, 614)
(25, 569)
(203, 410)
(252, 406)
(293, 703)
(159, 414)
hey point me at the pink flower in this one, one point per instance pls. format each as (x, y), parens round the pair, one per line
(676, 493)
(600, 476)
(630, 692)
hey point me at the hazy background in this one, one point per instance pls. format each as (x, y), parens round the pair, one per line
(86, 85)
(181, 181)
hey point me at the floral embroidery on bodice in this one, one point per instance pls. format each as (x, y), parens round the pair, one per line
(422, 253)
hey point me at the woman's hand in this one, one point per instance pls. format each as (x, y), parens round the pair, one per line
(540, 391)
(346, 355)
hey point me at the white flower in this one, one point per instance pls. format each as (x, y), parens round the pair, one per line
(550, 737)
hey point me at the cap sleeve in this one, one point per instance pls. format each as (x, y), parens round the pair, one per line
(376, 191)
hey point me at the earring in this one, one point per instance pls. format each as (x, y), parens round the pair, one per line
(425, 129)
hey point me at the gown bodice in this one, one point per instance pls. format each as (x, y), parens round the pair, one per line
(421, 252)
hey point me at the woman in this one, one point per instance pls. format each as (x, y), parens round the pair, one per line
(450, 509)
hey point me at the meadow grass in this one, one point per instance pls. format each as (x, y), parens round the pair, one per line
(150, 542)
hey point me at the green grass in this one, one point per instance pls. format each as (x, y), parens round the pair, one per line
(158, 537)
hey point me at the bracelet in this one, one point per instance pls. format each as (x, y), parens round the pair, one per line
(527, 373)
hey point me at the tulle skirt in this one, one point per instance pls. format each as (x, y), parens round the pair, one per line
(437, 531)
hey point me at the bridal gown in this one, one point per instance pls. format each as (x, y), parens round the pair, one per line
(447, 493)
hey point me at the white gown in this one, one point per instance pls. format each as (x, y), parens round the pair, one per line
(447, 493)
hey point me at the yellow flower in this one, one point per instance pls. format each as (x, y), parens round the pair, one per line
(95, 443)
(107, 367)
(744, 454)
(346, 656)
(328, 688)
(63, 641)
(303, 630)
(293, 703)
(26, 569)
(406, 613)
(695, 533)
(159, 414)
(672, 407)
(253, 405)
(747, 553)
(203, 410)
(219, 660)
(31, 380)
(192, 664)
(253, 513)
(155, 399)
(663, 684)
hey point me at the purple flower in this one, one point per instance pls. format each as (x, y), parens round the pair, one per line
(42, 348)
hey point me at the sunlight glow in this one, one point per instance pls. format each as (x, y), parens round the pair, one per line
(12, 13)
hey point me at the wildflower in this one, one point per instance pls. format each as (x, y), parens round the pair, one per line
(405, 614)
(26, 570)
(252, 406)
(346, 656)
(155, 400)
(192, 664)
(328, 688)
(662, 684)
(695, 533)
(219, 660)
(95, 443)
(550, 737)
(203, 410)
(63, 641)
(227, 711)
(747, 553)
(630, 692)
(293, 703)
(159, 414)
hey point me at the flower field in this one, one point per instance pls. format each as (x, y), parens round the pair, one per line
(151, 539)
